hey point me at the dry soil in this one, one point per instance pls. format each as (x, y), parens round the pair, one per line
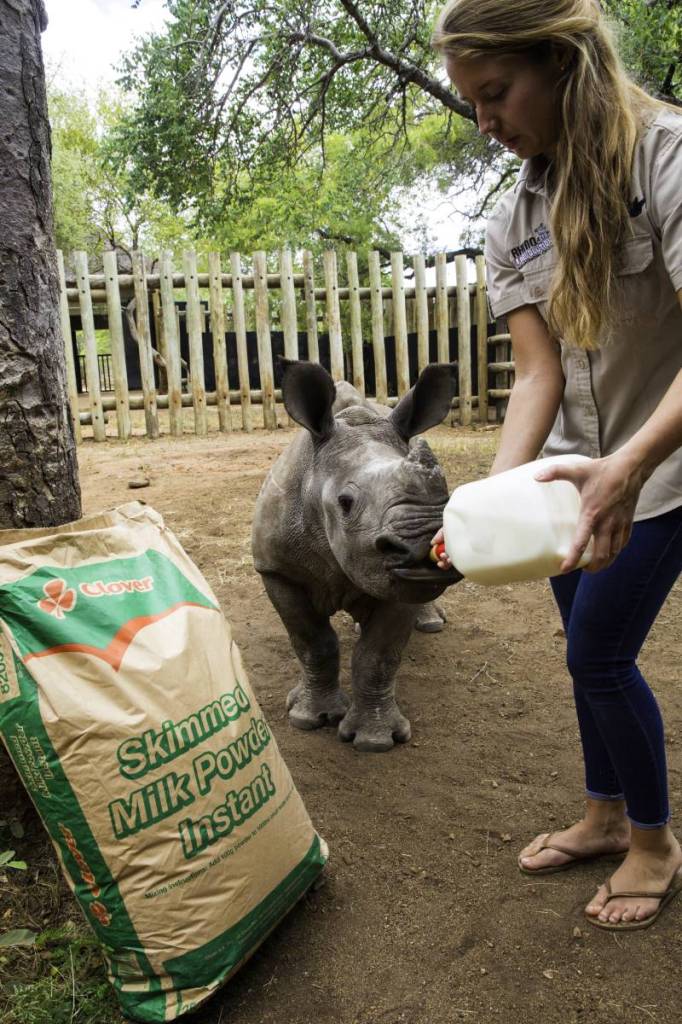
(423, 916)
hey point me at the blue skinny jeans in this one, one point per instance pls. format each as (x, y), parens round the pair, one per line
(607, 616)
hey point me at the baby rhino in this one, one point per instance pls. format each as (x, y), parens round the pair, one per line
(344, 521)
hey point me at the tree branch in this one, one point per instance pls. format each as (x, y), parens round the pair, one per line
(510, 172)
(327, 44)
(332, 236)
(667, 87)
(407, 72)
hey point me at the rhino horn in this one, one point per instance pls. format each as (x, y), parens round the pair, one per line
(421, 455)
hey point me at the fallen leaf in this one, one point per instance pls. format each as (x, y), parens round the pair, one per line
(17, 937)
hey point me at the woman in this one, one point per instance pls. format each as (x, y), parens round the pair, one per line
(584, 258)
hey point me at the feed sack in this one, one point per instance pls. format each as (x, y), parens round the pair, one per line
(126, 709)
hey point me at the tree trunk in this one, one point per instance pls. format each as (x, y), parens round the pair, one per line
(38, 468)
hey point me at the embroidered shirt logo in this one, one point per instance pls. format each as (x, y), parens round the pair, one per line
(58, 599)
(532, 247)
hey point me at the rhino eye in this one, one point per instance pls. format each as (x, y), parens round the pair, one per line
(346, 503)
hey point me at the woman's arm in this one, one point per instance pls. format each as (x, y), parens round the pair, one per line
(609, 487)
(536, 394)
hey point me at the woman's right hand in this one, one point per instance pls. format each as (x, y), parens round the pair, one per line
(443, 561)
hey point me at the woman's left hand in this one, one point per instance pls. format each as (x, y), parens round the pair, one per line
(609, 489)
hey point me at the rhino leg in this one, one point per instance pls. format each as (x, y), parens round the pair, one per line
(317, 700)
(430, 618)
(374, 721)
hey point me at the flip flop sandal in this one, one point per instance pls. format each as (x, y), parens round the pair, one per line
(575, 855)
(628, 926)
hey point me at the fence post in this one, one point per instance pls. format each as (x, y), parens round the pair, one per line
(196, 350)
(260, 283)
(355, 322)
(157, 318)
(400, 324)
(217, 311)
(442, 325)
(172, 344)
(333, 315)
(378, 327)
(310, 307)
(71, 383)
(482, 339)
(91, 362)
(422, 312)
(463, 340)
(240, 332)
(288, 309)
(118, 358)
(144, 345)
(289, 319)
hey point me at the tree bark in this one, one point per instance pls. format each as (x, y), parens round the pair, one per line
(38, 467)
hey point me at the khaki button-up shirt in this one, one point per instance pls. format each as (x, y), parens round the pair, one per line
(612, 390)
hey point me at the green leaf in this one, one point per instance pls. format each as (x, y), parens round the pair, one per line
(17, 937)
(6, 861)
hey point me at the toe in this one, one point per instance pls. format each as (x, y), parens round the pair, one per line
(596, 904)
(533, 848)
(630, 913)
(543, 859)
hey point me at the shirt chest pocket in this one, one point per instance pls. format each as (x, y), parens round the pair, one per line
(635, 293)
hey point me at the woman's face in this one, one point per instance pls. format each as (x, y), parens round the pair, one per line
(515, 100)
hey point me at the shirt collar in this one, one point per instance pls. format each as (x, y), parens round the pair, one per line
(533, 176)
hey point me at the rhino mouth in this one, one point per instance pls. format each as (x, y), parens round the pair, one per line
(427, 572)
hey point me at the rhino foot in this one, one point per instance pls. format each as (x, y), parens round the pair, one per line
(372, 731)
(430, 618)
(308, 710)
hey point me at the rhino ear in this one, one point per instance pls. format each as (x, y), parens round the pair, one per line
(308, 393)
(427, 403)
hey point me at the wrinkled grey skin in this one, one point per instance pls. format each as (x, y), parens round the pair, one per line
(351, 498)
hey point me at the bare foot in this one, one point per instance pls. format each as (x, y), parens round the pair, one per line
(641, 871)
(584, 838)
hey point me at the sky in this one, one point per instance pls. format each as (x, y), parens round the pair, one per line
(85, 39)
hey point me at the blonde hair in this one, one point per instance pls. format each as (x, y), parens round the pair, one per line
(601, 112)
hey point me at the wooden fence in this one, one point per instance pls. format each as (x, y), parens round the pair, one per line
(449, 323)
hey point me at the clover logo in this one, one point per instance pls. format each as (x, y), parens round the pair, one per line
(58, 598)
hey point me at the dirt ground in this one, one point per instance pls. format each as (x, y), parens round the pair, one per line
(423, 916)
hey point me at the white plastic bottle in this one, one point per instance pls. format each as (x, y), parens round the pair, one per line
(511, 527)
